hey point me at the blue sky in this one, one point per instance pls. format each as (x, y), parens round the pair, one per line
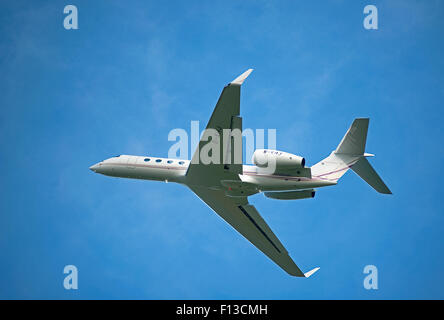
(134, 70)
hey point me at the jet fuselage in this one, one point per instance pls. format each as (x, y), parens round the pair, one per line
(174, 170)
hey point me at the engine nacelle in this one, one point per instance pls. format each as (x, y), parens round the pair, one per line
(282, 160)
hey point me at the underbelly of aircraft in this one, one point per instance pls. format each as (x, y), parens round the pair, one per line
(273, 182)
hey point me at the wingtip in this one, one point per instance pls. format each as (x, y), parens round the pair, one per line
(311, 272)
(239, 80)
(384, 190)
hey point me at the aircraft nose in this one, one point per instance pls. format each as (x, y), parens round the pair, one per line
(94, 167)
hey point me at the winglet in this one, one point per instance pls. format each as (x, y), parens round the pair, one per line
(239, 80)
(309, 273)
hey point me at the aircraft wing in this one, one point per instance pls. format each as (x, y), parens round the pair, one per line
(247, 221)
(228, 156)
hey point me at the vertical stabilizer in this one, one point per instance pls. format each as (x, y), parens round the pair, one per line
(350, 154)
(354, 140)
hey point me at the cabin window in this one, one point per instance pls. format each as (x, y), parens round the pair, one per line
(181, 162)
(146, 159)
(169, 161)
(159, 160)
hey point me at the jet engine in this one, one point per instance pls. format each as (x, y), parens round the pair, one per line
(282, 160)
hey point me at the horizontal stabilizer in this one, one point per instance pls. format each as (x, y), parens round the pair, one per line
(364, 169)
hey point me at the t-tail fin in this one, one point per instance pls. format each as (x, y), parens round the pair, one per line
(350, 154)
(354, 140)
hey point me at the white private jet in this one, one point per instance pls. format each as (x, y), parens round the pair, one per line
(225, 185)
